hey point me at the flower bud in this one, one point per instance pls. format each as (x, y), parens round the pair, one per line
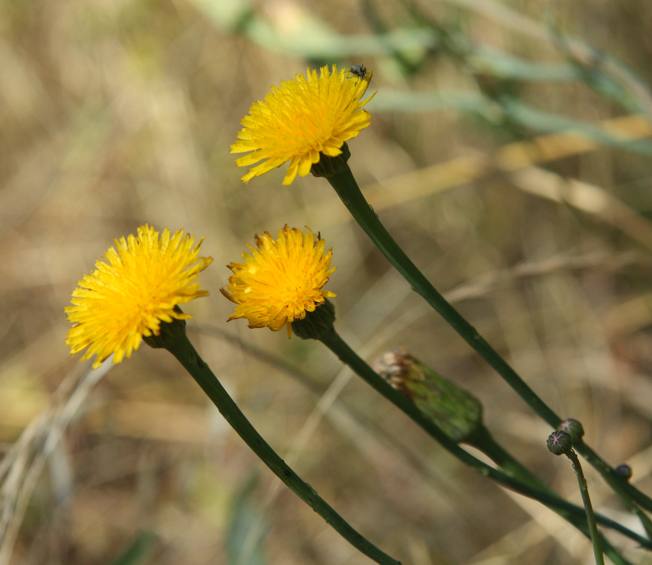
(624, 470)
(456, 411)
(573, 428)
(559, 442)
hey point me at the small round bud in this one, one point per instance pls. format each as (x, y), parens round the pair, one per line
(559, 442)
(624, 470)
(573, 428)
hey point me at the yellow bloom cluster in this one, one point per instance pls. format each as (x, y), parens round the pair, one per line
(143, 278)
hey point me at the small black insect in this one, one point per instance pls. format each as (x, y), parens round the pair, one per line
(358, 70)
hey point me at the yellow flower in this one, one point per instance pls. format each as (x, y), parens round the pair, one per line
(280, 280)
(138, 285)
(301, 119)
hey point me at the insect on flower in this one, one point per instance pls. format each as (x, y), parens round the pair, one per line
(359, 70)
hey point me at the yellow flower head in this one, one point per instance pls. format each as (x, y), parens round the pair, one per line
(129, 294)
(301, 119)
(281, 279)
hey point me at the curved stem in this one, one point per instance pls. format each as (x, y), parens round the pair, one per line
(567, 510)
(347, 189)
(186, 354)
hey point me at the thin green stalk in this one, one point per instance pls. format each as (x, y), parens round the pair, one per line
(349, 357)
(486, 443)
(627, 492)
(590, 516)
(347, 189)
(186, 354)
(645, 520)
(491, 448)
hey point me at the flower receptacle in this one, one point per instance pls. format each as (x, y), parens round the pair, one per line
(316, 324)
(330, 166)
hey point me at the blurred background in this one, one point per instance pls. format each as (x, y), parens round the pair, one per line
(508, 154)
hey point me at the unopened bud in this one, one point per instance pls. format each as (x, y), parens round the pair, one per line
(456, 411)
(573, 428)
(559, 442)
(624, 470)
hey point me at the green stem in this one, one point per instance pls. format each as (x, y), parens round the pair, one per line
(347, 189)
(590, 516)
(497, 454)
(485, 442)
(349, 357)
(629, 494)
(186, 354)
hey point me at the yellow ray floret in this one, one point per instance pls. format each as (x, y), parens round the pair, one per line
(301, 119)
(280, 279)
(135, 288)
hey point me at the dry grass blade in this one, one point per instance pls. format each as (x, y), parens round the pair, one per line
(587, 198)
(21, 468)
(520, 23)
